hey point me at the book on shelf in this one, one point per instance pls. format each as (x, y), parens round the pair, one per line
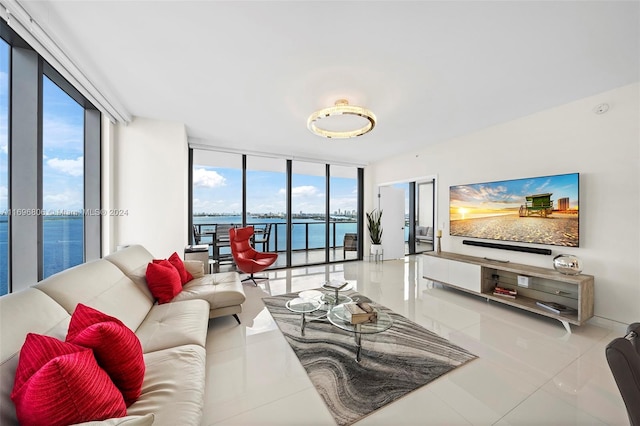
(557, 308)
(336, 284)
(361, 312)
(505, 292)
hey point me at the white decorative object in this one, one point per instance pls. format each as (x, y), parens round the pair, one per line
(524, 281)
(567, 264)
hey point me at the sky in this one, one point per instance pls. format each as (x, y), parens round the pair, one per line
(63, 129)
(512, 193)
(63, 148)
(219, 190)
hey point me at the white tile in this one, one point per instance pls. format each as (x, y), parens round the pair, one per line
(481, 391)
(512, 344)
(543, 408)
(529, 370)
(417, 408)
(241, 379)
(304, 408)
(590, 389)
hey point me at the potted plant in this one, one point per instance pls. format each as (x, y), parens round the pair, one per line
(375, 231)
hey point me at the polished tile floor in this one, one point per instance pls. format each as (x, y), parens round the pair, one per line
(529, 370)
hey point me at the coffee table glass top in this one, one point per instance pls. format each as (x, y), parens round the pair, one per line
(339, 317)
(301, 305)
(311, 294)
(334, 298)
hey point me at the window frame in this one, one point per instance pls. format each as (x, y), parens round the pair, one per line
(26, 71)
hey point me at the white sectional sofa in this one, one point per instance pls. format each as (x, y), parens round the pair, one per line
(172, 335)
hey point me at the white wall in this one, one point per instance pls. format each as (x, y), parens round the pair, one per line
(150, 181)
(604, 149)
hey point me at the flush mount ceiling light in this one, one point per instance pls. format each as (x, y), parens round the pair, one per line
(342, 121)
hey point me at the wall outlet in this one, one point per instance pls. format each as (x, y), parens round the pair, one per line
(524, 281)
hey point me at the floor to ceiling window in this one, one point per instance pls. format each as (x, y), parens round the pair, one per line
(50, 144)
(343, 207)
(62, 179)
(216, 200)
(4, 163)
(308, 206)
(266, 205)
(309, 213)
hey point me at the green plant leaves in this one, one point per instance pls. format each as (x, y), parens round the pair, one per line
(374, 226)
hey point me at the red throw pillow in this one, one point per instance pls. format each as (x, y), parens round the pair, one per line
(177, 263)
(163, 280)
(84, 316)
(116, 348)
(59, 383)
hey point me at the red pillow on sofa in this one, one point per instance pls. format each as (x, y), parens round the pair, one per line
(163, 280)
(84, 316)
(116, 348)
(177, 263)
(59, 383)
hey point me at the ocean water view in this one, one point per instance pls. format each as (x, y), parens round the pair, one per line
(314, 229)
(62, 245)
(63, 238)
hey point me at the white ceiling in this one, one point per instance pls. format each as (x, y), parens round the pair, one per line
(246, 75)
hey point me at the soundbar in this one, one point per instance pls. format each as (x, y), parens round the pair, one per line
(507, 247)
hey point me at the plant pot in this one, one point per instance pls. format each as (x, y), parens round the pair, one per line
(376, 249)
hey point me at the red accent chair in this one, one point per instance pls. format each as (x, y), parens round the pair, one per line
(247, 259)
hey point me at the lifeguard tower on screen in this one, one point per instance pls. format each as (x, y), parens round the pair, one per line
(538, 205)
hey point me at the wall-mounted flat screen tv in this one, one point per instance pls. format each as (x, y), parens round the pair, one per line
(539, 210)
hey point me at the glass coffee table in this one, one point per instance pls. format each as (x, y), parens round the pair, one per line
(335, 298)
(303, 306)
(338, 316)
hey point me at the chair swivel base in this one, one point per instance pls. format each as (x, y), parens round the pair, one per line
(254, 278)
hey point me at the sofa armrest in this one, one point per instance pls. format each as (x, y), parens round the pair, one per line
(195, 268)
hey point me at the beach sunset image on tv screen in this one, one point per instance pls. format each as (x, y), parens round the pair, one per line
(540, 210)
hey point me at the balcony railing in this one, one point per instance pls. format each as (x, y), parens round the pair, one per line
(305, 235)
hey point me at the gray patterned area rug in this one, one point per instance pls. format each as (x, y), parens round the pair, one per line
(393, 363)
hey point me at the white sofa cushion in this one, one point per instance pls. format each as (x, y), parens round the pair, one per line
(220, 290)
(174, 324)
(173, 387)
(27, 311)
(101, 285)
(133, 262)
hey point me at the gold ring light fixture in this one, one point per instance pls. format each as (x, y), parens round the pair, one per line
(341, 121)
